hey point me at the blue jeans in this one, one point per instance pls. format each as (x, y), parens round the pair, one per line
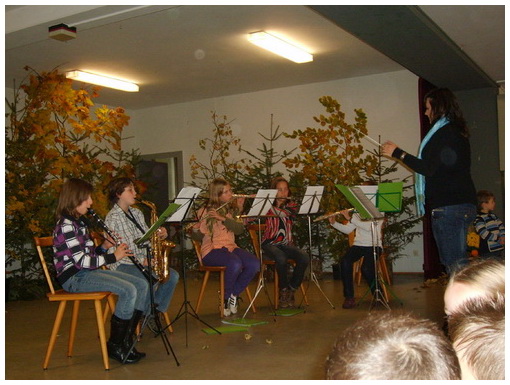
(281, 254)
(241, 268)
(132, 291)
(163, 293)
(449, 226)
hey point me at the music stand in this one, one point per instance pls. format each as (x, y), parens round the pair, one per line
(186, 197)
(260, 206)
(142, 242)
(310, 205)
(388, 199)
(367, 211)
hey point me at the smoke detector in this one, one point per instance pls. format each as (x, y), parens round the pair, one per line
(62, 32)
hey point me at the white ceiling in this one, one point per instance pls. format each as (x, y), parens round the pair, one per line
(191, 52)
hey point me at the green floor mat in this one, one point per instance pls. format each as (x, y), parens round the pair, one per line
(226, 329)
(288, 312)
(243, 322)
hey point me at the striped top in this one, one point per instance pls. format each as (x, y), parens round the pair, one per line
(74, 250)
(490, 229)
(279, 224)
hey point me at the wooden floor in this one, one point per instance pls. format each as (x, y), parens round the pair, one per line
(284, 348)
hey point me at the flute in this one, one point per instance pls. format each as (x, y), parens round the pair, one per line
(326, 216)
(117, 241)
(244, 195)
(190, 225)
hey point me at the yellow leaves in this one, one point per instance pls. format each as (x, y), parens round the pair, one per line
(49, 139)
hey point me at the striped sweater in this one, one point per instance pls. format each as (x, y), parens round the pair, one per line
(490, 229)
(74, 250)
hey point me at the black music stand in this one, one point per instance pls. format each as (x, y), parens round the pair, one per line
(143, 243)
(368, 211)
(187, 196)
(309, 206)
(261, 205)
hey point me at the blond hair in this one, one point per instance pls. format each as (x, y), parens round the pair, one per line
(389, 346)
(477, 330)
(486, 276)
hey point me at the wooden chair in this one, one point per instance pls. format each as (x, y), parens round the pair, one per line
(381, 265)
(63, 297)
(382, 269)
(214, 269)
(254, 231)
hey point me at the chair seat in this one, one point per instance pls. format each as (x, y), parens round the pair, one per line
(62, 295)
(212, 268)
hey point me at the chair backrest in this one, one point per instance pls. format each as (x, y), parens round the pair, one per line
(352, 235)
(41, 242)
(97, 238)
(254, 230)
(198, 247)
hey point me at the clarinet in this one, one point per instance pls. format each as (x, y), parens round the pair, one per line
(112, 235)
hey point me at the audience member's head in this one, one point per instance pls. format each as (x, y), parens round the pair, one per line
(389, 346)
(482, 278)
(477, 331)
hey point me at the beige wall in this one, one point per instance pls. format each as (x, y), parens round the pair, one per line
(390, 101)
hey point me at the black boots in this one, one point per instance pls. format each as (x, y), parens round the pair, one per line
(121, 338)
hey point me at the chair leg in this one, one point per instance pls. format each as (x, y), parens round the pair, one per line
(357, 270)
(167, 320)
(276, 289)
(202, 289)
(250, 298)
(384, 269)
(304, 294)
(222, 293)
(110, 305)
(102, 334)
(72, 332)
(54, 333)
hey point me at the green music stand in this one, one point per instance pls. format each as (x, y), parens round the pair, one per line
(367, 211)
(389, 197)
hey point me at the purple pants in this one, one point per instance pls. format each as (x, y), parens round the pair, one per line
(241, 268)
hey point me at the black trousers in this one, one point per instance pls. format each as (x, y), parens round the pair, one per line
(367, 269)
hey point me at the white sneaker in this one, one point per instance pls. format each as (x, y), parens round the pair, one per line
(226, 308)
(232, 304)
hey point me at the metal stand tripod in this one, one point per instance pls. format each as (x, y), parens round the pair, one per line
(262, 279)
(186, 305)
(313, 276)
(160, 330)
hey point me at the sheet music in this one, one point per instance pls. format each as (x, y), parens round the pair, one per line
(311, 200)
(370, 192)
(367, 203)
(262, 203)
(184, 198)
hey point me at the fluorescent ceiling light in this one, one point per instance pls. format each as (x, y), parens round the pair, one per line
(280, 47)
(101, 80)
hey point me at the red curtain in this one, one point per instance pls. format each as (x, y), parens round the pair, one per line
(432, 267)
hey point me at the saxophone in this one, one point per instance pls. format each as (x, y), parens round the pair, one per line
(160, 248)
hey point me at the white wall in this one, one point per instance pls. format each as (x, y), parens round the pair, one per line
(390, 101)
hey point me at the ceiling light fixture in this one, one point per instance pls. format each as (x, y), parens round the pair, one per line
(102, 80)
(280, 47)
